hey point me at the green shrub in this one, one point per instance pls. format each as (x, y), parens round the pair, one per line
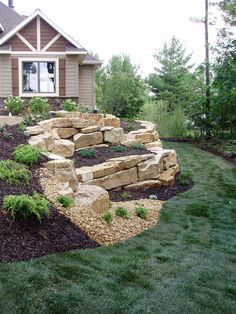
(141, 212)
(26, 206)
(138, 146)
(126, 194)
(65, 201)
(183, 178)
(6, 135)
(14, 173)
(29, 120)
(88, 153)
(26, 154)
(69, 105)
(118, 148)
(107, 216)
(15, 105)
(39, 106)
(122, 212)
(22, 127)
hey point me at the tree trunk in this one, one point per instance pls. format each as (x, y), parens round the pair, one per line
(207, 70)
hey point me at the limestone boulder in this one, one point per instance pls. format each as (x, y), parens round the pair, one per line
(90, 129)
(170, 160)
(142, 131)
(62, 123)
(145, 137)
(106, 168)
(46, 125)
(93, 197)
(84, 140)
(68, 192)
(84, 174)
(79, 123)
(118, 179)
(44, 141)
(131, 142)
(51, 156)
(54, 133)
(114, 136)
(143, 185)
(34, 130)
(151, 168)
(64, 148)
(167, 177)
(127, 162)
(64, 171)
(66, 132)
(106, 128)
(153, 144)
(111, 120)
(37, 142)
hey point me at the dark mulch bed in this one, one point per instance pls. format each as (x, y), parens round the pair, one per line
(24, 240)
(105, 153)
(163, 193)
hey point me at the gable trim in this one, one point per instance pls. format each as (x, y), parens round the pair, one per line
(44, 17)
(25, 42)
(51, 42)
(38, 34)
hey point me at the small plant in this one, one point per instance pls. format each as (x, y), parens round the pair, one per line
(26, 154)
(22, 127)
(6, 135)
(138, 146)
(107, 216)
(26, 206)
(29, 119)
(14, 173)
(15, 105)
(122, 212)
(39, 106)
(141, 212)
(88, 153)
(118, 148)
(69, 105)
(183, 178)
(65, 201)
(126, 194)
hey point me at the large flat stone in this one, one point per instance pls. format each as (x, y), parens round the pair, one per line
(79, 123)
(105, 169)
(153, 144)
(84, 174)
(83, 140)
(121, 178)
(151, 168)
(66, 132)
(111, 120)
(62, 123)
(44, 141)
(90, 129)
(34, 130)
(145, 137)
(64, 148)
(143, 185)
(127, 162)
(131, 142)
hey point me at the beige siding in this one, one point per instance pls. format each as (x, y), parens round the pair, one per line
(72, 76)
(87, 85)
(6, 76)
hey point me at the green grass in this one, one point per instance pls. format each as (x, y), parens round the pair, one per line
(184, 264)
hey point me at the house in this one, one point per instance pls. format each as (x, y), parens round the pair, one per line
(37, 58)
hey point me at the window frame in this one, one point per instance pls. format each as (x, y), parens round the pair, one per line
(20, 76)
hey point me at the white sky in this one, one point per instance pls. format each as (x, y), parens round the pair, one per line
(134, 27)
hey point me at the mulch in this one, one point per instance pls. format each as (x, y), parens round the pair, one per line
(162, 194)
(105, 153)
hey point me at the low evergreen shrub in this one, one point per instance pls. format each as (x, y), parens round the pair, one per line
(88, 153)
(122, 212)
(13, 172)
(141, 212)
(107, 216)
(26, 206)
(118, 148)
(138, 146)
(65, 201)
(26, 154)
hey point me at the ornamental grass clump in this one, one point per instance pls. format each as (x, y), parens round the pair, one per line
(26, 206)
(65, 201)
(141, 212)
(15, 105)
(107, 216)
(122, 212)
(26, 154)
(14, 173)
(69, 105)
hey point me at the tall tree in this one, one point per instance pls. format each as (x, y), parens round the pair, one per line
(122, 90)
(207, 68)
(172, 81)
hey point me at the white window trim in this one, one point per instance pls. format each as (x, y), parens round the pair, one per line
(20, 62)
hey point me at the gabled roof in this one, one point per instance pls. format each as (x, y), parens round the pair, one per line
(9, 19)
(89, 59)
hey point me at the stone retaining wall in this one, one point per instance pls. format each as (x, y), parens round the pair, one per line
(61, 137)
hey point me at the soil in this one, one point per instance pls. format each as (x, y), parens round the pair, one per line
(105, 153)
(22, 240)
(162, 193)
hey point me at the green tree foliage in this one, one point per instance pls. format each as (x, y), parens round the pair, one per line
(172, 81)
(120, 89)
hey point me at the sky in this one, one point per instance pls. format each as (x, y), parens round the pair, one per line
(135, 27)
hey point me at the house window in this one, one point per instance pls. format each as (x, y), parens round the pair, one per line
(38, 77)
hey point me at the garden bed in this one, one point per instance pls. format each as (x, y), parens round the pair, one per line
(105, 153)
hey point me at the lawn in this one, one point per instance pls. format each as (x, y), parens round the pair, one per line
(185, 264)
